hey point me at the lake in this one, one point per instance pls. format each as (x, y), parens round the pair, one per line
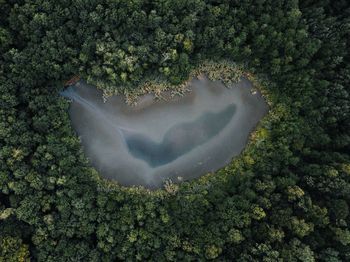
(179, 139)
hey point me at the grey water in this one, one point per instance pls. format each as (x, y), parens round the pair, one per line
(179, 139)
(153, 141)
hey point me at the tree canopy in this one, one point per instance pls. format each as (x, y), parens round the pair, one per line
(286, 198)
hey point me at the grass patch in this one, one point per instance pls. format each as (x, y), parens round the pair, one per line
(226, 71)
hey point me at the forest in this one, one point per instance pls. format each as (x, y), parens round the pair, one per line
(285, 198)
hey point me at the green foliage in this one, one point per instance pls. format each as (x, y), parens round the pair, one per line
(286, 198)
(13, 250)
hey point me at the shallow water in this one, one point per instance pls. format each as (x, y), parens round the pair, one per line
(179, 139)
(183, 138)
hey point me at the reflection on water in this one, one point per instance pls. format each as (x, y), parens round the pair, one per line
(180, 138)
(186, 137)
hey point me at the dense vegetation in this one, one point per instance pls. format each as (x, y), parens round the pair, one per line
(286, 198)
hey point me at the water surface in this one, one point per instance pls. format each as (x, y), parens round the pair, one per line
(183, 138)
